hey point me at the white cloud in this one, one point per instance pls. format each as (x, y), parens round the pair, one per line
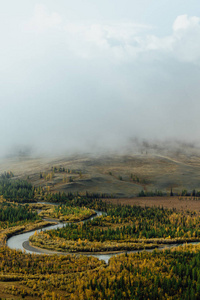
(184, 22)
(185, 39)
(43, 20)
(125, 41)
(121, 41)
(118, 41)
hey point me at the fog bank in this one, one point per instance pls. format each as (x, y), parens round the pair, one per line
(75, 80)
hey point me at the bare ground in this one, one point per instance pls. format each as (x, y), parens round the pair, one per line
(181, 204)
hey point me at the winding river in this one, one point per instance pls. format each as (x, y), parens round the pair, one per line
(21, 242)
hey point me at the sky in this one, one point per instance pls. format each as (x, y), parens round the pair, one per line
(94, 75)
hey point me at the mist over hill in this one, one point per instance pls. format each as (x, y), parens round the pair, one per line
(146, 166)
(96, 83)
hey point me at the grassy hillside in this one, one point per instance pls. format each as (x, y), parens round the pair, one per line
(117, 175)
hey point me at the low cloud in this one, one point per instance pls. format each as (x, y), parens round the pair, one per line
(94, 85)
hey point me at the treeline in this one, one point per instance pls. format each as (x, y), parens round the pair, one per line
(151, 193)
(42, 194)
(157, 193)
(194, 193)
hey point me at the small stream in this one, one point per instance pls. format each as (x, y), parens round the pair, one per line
(21, 242)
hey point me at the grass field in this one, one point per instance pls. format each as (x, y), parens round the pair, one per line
(122, 176)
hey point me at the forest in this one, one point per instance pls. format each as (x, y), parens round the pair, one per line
(15, 190)
(160, 274)
(123, 228)
(12, 213)
(167, 274)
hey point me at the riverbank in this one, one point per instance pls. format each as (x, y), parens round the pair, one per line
(62, 213)
(17, 239)
(43, 241)
(7, 233)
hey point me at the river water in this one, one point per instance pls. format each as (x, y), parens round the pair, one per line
(20, 241)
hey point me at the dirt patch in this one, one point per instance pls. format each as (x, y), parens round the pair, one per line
(181, 204)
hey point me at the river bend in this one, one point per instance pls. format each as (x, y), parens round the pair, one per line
(21, 242)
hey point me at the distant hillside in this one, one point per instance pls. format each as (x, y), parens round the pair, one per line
(116, 175)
